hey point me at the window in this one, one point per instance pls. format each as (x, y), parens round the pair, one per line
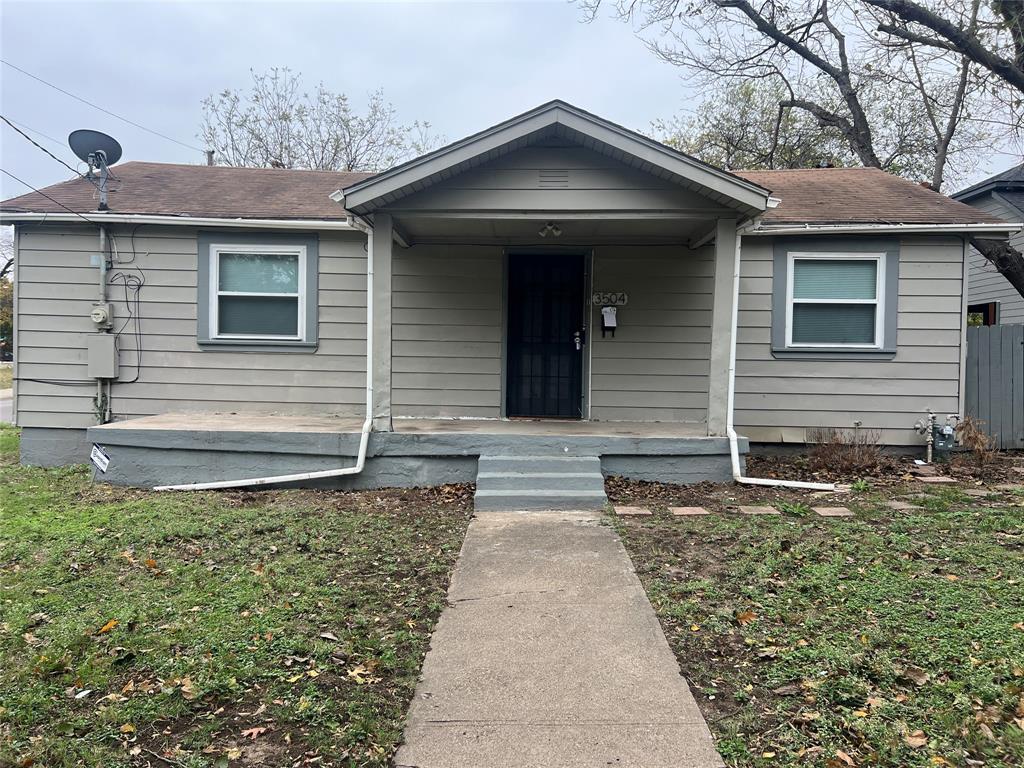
(257, 292)
(983, 314)
(835, 300)
(834, 297)
(257, 289)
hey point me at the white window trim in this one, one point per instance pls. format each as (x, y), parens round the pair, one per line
(216, 249)
(878, 301)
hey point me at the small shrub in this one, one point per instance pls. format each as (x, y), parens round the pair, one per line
(860, 486)
(972, 436)
(796, 508)
(844, 451)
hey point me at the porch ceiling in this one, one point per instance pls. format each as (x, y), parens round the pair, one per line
(581, 231)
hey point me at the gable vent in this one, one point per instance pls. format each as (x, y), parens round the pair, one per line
(553, 177)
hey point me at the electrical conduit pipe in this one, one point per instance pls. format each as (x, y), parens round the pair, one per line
(734, 450)
(364, 435)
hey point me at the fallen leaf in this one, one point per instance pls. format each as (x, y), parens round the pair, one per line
(234, 753)
(845, 757)
(127, 728)
(329, 636)
(108, 626)
(150, 563)
(252, 733)
(188, 691)
(916, 739)
(745, 617)
(917, 676)
(83, 694)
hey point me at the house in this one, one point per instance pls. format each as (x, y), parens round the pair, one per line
(989, 295)
(551, 298)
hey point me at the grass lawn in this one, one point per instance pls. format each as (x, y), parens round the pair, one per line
(233, 629)
(888, 639)
(6, 376)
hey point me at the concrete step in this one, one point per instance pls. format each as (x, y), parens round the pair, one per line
(525, 464)
(539, 481)
(524, 483)
(516, 501)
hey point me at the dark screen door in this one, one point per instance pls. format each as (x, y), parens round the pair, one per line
(545, 312)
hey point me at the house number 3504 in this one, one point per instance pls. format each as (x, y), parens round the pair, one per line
(610, 298)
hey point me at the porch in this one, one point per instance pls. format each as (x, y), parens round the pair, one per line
(180, 448)
(553, 266)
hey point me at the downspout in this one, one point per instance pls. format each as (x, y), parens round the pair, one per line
(364, 434)
(102, 397)
(734, 450)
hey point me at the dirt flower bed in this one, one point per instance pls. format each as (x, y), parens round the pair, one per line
(282, 628)
(1007, 467)
(893, 638)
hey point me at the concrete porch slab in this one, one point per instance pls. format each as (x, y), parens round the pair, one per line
(171, 449)
(550, 654)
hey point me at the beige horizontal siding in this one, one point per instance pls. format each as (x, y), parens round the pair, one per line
(781, 400)
(582, 180)
(447, 331)
(985, 284)
(656, 367)
(57, 286)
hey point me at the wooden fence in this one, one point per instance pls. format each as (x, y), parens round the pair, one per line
(995, 381)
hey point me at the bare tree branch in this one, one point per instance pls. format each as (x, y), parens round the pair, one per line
(954, 37)
(277, 124)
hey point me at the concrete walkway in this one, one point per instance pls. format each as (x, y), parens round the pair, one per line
(550, 654)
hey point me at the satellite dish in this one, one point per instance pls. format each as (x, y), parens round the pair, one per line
(99, 151)
(88, 145)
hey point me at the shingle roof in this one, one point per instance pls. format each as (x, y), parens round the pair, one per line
(858, 196)
(166, 189)
(811, 196)
(1012, 178)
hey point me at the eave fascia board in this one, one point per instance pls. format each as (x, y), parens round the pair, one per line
(851, 229)
(745, 192)
(94, 217)
(466, 150)
(1000, 198)
(722, 182)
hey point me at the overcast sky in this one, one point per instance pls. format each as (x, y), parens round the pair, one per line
(460, 66)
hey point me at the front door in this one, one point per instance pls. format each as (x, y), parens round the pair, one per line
(546, 335)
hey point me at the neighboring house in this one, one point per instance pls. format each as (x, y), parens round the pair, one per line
(496, 264)
(990, 296)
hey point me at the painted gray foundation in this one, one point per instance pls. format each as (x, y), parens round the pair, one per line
(147, 467)
(45, 447)
(149, 457)
(680, 470)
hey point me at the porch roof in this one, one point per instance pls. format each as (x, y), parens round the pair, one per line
(555, 120)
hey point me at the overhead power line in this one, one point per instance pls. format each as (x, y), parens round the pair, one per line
(30, 129)
(39, 192)
(40, 146)
(101, 109)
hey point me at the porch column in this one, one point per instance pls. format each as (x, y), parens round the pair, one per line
(721, 326)
(383, 237)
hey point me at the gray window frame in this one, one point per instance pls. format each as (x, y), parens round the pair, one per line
(889, 285)
(309, 288)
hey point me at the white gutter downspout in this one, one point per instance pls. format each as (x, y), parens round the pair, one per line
(364, 435)
(734, 450)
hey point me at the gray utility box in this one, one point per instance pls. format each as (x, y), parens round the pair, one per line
(943, 438)
(102, 360)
